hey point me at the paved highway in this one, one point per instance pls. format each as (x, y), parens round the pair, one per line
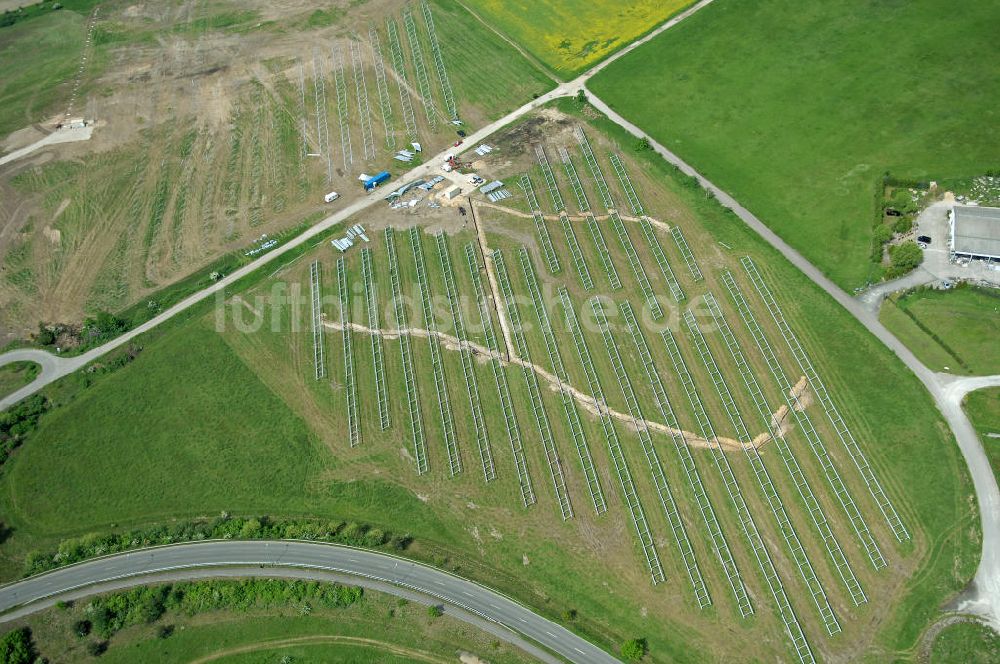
(262, 558)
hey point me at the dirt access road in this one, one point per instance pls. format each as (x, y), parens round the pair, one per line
(983, 596)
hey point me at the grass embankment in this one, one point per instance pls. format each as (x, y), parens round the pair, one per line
(205, 422)
(798, 108)
(16, 375)
(570, 36)
(200, 456)
(375, 628)
(983, 408)
(954, 330)
(965, 643)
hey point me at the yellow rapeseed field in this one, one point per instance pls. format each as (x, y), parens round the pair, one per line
(570, 35)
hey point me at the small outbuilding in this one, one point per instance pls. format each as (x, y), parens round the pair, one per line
(453, 192)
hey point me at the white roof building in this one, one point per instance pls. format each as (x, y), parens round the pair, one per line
(975, 231)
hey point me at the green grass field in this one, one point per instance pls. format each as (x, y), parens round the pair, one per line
(220, 439)
(39, 56)
(380, 628)
(185, 449)
(16, 375)
(983, 408)
(203, 422)
(952, 330)
(570, 36)
(798, 108)
(965, 643)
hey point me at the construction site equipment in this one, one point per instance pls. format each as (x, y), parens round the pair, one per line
(376, 180)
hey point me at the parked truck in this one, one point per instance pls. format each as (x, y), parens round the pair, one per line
(376, 180)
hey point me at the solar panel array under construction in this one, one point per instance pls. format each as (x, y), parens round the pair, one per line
(650, 382)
